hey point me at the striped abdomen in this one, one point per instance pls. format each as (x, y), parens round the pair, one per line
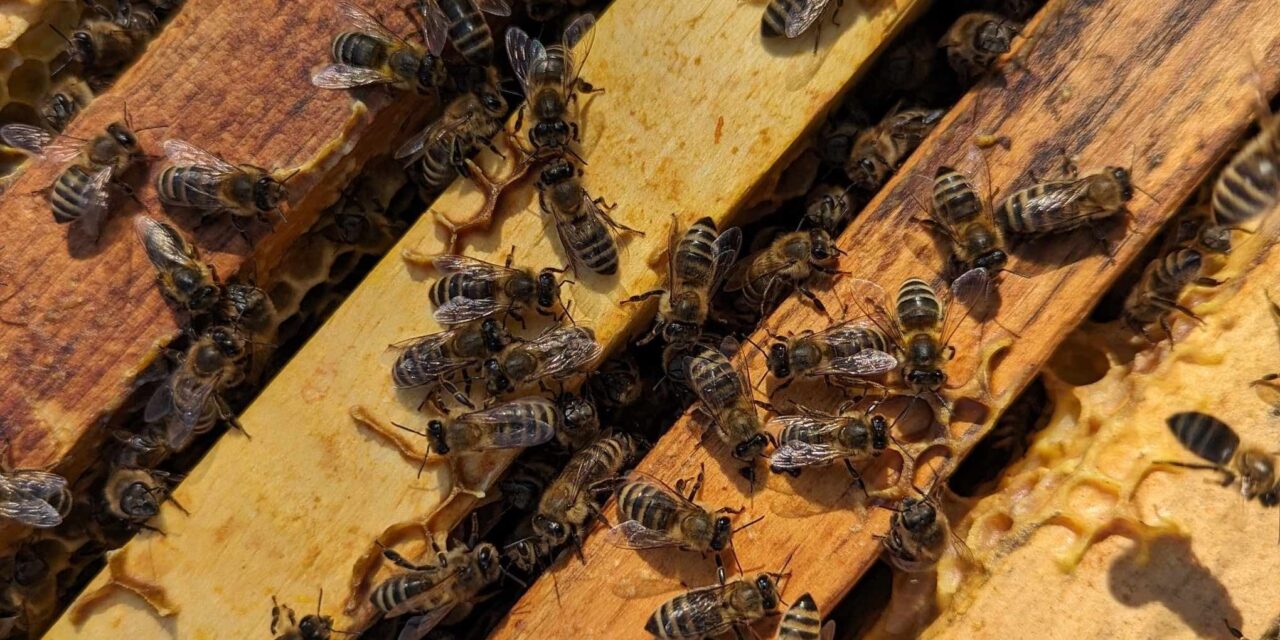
(857, 340)
(438, 165)
(1038, 209)
(600, 461)
(587, 238)
(397, 590)
(918, 306)
(649, 505)
(954, 198)
(807, 432)
(1250, 184)
(194, 187)
(774, 22)
(358, 50)
(468, 31)
(73, 194)
(461, 285)
(714, 379)
(1176, 271)
(694, 614)
(802, 621)
(1205, 436)
(694, 260)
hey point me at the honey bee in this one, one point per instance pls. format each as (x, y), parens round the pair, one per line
(518, 424)
(710, 611)
(815, 438)
(616, 383)
(199, 180)
(1156, 294)
(80, 192)
(550, 79)
(791, 18)
(134, 495)
(786, 265)
(919, 534)
(653, 515)
(725, 395)
(63, 101)
(438, 591)
(372, 54)
(190, 398)
(580, 421)
(471, 289)
(557, 353)
(249, 309)
(426, 360)
(1215, 442)
(34, 498)
(921, 329)
(463, 21)
(975, 40)
(1249, 185)
(964, 217)
(835, 142)
(828, 207)
(103, 44)
(697, 263)
(1063, 205)
(524, 483)
(879, 150)
(803, 621)
(569, 501)
(583, 224)
(843, 352)
(470, 120)
(311, 627)
(183, 278)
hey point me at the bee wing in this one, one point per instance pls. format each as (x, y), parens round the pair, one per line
(159, 405)
(633, 535)
(431, 343)
(40, 143)
(161, 242)
(581, 35)
(736, 279)
(460, 310)
(417, 627)
(863, 364)
(522, 51)
(565, 350)
(801, 15)
(798, 455)
(476, 268)
(726, 248)
(814, 424)
(361, 20)
(494, 7)
(975, 290)
(30, 511)
(828, 631)
(1269, 392)
(345, 76)
(435, 26)
(413, 146)
(872, 301)
(195, 396)
(36, 484)
(519, 430)
(183, 153)
(98, 202)
(845, 331)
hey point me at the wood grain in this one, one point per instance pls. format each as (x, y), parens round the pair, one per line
(81, 320)
(1164, 86)
(297, 506)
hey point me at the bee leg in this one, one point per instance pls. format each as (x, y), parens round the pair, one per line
(402, 562)
(1228, 476)
(857, 478)
(641, 297)
(813, 299)
(697, 483)
(1208, 282)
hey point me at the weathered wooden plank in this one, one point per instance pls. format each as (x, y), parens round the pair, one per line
(1163, 85)
(694, 115)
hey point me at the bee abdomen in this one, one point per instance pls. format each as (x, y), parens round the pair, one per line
(410, 371)
(713, 374)
(1178, 269)
(694, 260)
(673, 620)
(437, 166)
(802, 621)
(358, 50)
(1250, 184)
(1023, 212)
(918, 305)
(801, 433)
(459, 285)
(592, 243)
(646, 504)
(71, 195)
(1204, 435)
(468, 31)
(773, 24)
(394, 591)
(954, 197)
(188, 187)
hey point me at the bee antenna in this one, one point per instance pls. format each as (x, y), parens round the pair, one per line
(508, 574)
(319, 601)
(747, 524)
(410, 430)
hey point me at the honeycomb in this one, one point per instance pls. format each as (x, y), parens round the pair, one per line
(1089, 517)
(28, 53)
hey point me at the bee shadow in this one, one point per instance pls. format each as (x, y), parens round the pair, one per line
(1201, 601)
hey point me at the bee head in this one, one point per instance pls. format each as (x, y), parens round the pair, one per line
(555, 531)
(779, 360)
(138, 501)
(548, 288)
(1125, 180)
(228, 342)
(680, 332)
(496, 380)
(579, 413)
(122, 136)
(315, 627)
(721, 532)
(768, 589)
(494, 334)
(430, 73)
(1257, 474)
(992, 261)
(752, 447)
(29, 568)
(1216, 238)
(926, 378)
(879, 433)
(268, 193)
(202, 294)
(492, 101)
(435, 437)
(822, 248)
(549, 133)
(995, 36)
(917, 515)
(83, 48)
(559, 172)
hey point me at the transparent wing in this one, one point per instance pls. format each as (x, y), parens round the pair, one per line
(363, 21)
(975, 290)
(436, 133)
(801, 15)
(520, 428)
(510, 411)
(848, 331)
(476, 268)
(828, 631)
(160, 241)
(1268, 390)
(580, 35)
(797, 455)
(460, 310)
(1059, 198)
(183, 153)
(418, 627)
(726, 249)
(865, 363)
(159, 405)
(98, 202)
(343, 76)
(522, 50)
(872, 301)
(737, 277)
(36, 484)
(32, 512)
(191, 396)
(633, 535)
(31, 139)
(435, 27)
(566, 350)
(494, 7)
(812, 424)
(431, 343)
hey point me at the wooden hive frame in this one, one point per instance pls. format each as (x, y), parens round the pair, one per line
(321, 489)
